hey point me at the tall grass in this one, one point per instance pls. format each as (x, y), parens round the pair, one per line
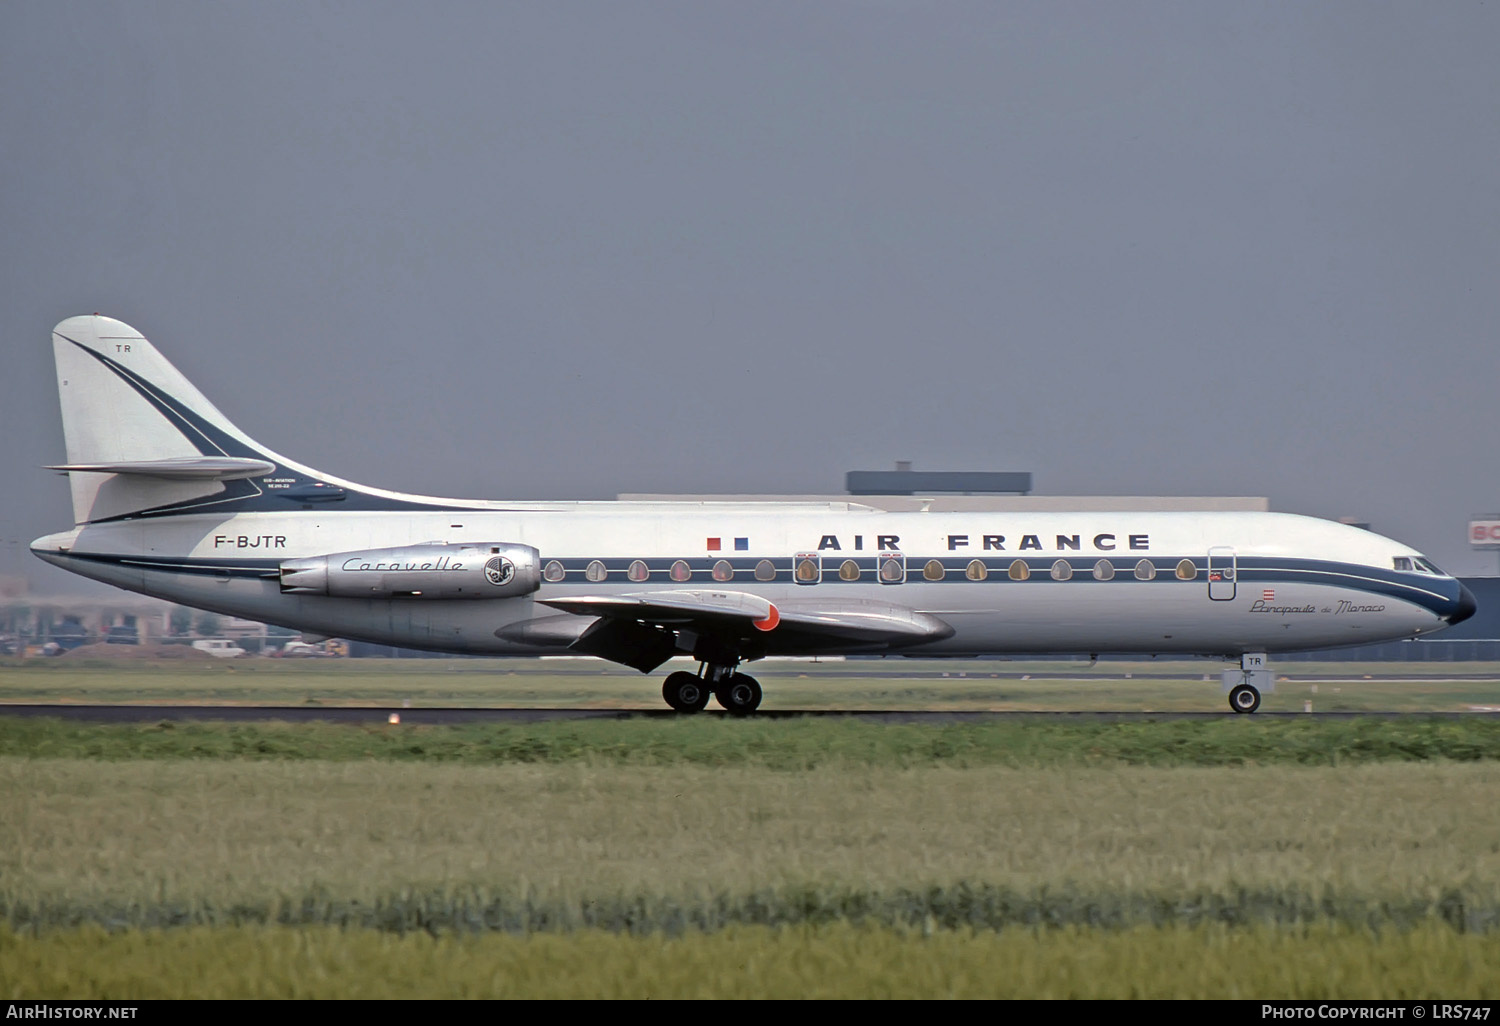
(839, 961)
(956, 907)
(795, 744)
(217, 833)
(882, 684)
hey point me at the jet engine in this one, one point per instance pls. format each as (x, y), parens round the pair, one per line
(431, 571)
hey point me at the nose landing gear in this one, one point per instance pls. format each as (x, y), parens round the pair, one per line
(1245, 685)
(1244, 699)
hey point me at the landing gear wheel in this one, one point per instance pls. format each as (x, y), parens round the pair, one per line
(1244, 699)
(685, 692)
(739, 693)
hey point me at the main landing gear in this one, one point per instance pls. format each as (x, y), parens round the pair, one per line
(738, 693)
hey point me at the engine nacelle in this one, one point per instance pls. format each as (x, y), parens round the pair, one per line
(431, 571)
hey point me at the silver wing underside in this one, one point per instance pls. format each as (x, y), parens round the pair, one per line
(645, 629)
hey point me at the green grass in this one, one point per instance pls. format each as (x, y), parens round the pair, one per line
(955, 907)
(710, 857)
(783, 744)
(839, 961)
(916, 684)
(200, 836)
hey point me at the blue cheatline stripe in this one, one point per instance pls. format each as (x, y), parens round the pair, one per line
(256, 568)
(1430, 594)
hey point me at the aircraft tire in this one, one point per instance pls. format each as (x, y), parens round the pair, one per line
(740, 695)
(685, 692)
(1244, 699)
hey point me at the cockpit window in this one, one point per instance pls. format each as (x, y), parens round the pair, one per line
(1403, 563)
(1428, 566)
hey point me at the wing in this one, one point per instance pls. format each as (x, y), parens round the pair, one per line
(645, 629)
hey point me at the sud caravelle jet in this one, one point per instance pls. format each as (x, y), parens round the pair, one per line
(170, 499)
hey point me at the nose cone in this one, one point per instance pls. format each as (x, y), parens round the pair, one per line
(1463, 607)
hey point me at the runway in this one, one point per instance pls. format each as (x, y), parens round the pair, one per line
(454, 716)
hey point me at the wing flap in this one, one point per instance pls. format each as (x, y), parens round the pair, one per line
(671, 608)
(861, 620)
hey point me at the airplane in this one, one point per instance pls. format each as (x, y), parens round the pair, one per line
(170, 499)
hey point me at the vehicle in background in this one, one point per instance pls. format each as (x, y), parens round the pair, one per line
(122, 634)
(303, 650)
(69, 634)
(223, 648)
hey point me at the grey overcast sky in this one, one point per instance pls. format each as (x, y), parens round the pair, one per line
(566, 250)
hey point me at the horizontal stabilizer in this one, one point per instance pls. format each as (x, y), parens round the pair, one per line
(179, 468)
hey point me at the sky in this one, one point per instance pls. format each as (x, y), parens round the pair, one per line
(567, 250)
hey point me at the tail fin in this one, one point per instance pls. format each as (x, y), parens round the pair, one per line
(143, 442)
(140, 438)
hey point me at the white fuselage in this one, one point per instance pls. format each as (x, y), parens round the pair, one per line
(1199, 583)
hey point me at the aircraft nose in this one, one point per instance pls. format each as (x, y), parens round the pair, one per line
(1464, 607)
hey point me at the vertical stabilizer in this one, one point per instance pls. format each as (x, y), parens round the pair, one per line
(124, 403)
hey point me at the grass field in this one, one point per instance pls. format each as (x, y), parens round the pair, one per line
(219, 878)
(838, 961)
(207, 836)
(854, 685)
(710, 857)
(786, 744)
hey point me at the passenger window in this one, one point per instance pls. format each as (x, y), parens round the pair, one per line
(848, 570)
(892, 570)
(723, 571)
(681, 571)
(765, 570)
(595, 571)
(1062, 570)
(1104, 570)
(808, 570)
(1020, 570)
(933, 571)
(1145, 570)
(1187, 570)
(554, 571)
(637, 571)
(977, 571)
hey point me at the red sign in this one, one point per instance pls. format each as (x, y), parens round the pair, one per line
(1484, 533)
